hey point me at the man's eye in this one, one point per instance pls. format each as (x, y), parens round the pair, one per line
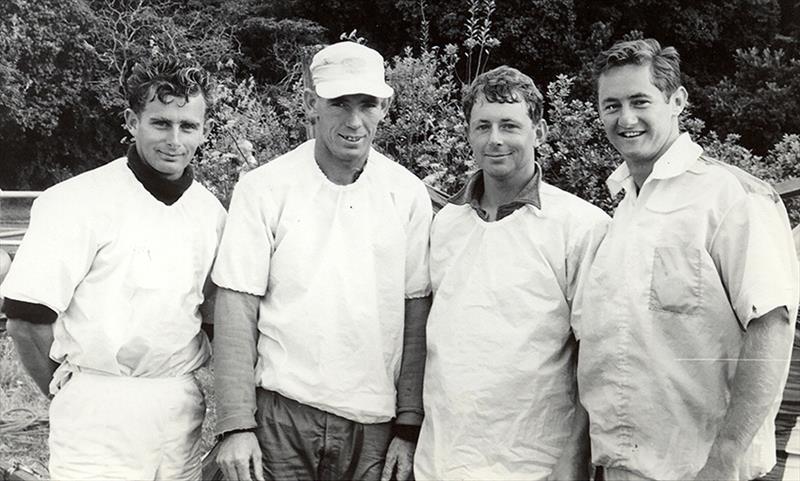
(641, 103)
(509, 126)
(610, 108)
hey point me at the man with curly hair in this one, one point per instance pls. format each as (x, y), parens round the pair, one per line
(105, 293)
(507, 251)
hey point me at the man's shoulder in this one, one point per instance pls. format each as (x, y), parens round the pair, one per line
(88, 186)
(281, 168)
(396, 174)
(561, 202)
(207, 200)
(730, 177)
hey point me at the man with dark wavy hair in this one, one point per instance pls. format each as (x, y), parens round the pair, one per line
(686, 320)
(500, 394)
(104, 295)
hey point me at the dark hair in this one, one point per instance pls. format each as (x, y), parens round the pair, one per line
(504, 85)
(168, 77)
(665, 63)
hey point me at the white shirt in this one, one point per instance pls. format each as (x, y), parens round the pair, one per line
(687, 263)
(333, 265)
(124, 272)
(499, 391)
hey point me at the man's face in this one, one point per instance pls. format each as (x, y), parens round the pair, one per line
(640, 122)
(502, 137)
(345, 126)
(168, 134)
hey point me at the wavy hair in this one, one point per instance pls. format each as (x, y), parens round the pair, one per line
(168, 77)
(504, 85)
(665, 63)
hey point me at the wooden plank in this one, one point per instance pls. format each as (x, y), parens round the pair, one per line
(788, 188)
(19, 194)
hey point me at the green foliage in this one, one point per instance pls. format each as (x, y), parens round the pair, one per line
(576, 157)
(245, 114)
(424, 130)
(760, 101)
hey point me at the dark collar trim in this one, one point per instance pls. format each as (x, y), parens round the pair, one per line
(164, 190)
(472, 191)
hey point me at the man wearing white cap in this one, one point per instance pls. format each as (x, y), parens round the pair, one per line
(323, 270)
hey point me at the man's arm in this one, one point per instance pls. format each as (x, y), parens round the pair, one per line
(235, 354)
(574, 462)
(756, 385)
(400, 456)
(207, 308)
(33, 342)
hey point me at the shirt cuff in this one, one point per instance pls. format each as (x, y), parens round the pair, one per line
(29, 312)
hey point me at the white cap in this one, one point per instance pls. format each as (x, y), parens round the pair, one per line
(348, 68)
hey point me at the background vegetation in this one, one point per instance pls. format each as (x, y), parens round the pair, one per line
(62, 64)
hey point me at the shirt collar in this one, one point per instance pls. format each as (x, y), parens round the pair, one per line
(164, 190)
(676, 160)
(473, 190)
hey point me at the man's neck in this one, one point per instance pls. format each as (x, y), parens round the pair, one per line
(498, 192)
(340, 171)
(640, 171)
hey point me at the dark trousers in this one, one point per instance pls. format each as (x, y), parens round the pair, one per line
(299, 442)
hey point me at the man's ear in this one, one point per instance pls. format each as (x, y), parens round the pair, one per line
(679, 100)
(131, 121)
(385, 104)
(310, 103)
(540, 131)
(206, 129)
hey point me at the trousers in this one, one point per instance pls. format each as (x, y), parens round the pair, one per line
(300, 442)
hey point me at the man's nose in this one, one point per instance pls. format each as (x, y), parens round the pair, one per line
(627, 117)
(494, 136)
(353, 119)
(173, 135)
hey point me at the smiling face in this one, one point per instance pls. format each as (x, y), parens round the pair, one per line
(502, 137)
(168, 134)
(345, 126)
(640, 122)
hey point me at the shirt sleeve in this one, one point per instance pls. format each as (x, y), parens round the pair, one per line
(754, 253)
(243, 260)
(56, 253)
(584, 242)
(418, 279)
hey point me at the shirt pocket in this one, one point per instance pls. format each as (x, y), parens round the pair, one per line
(675, 285)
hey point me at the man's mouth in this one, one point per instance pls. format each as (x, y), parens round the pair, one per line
(630, 134)
(351, 138)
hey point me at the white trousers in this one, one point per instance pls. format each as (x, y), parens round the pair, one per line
(126, 428)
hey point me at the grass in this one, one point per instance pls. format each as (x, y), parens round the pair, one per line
(17, 390)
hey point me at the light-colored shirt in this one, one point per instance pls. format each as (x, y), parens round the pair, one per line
(499, 391)
(702, 250)
(123, 271)
(333, 265)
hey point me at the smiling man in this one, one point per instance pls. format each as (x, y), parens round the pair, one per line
(507, 251)
(687, 315)
(104, 294)
(324, 292)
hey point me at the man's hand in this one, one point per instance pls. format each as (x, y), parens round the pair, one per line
(238, 454)
(399, 460)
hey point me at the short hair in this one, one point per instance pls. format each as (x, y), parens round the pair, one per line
(665, 63)
(168, 76)
(504, 85)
